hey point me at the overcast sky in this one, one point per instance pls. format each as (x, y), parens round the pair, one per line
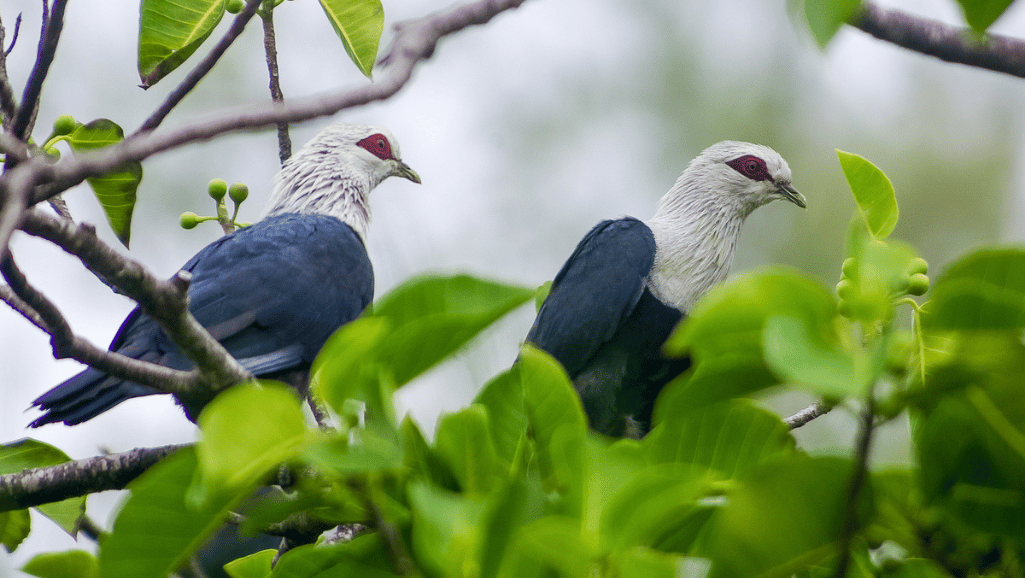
(527, 132)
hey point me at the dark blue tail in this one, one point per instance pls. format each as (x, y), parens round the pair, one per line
(85, 396)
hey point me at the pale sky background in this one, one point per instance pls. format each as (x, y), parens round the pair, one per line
(527, 132)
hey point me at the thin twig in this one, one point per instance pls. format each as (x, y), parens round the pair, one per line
(37, 486)
(45, 315)
(271, 50)
(201, 70)
(165, 301)
(850, 510)
(950, 43)
(8, 106)
(807, 414)
(52, 27)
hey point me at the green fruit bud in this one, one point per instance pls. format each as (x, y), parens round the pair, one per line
(918, 265)
(844, 289)
(189, 220)
(918, 285)
(64, 125)
(848, 266)
(217, 189)
(238, 193)
(234, 6)
(845, 308)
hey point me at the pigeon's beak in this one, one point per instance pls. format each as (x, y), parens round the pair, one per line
(791, 194)
(405, 172)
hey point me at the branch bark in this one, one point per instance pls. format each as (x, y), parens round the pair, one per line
(165, 301)
(950, 43)
(39, 486)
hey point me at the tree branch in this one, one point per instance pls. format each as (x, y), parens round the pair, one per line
(7, 105)
(807, 414)
(45, 315)
(201, 70)
(39, 486)
(850, 508)
(950, 43)
(53, 24)
(165, 301)
(271, 50)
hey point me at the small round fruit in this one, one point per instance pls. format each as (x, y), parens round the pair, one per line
(238, 193)
(918, 285)
(189, 220)
(64, 125)
(217, 189)
(234, 6)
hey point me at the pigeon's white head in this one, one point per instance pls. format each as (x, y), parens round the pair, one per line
(334, 173)
(698, 222)
(738, 174)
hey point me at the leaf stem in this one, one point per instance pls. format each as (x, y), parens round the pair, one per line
(858, 476)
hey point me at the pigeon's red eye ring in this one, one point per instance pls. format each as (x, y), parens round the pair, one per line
(751, 167)
(378, 146)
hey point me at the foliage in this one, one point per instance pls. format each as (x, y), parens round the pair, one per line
(515, 484)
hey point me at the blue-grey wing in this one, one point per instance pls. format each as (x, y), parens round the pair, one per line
(595, 292)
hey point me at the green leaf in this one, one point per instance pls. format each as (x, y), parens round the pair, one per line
(115, 190)
(359, 24)
(877, 273)
(170, 31)
(723, 334)
(503, 398)
(256, 565)
(411, 329)
(367, 452)
(432, 317)
(873, 193)
(825, 17)
(69, 564)
(447, 532)
(826, 368)
(364, 556)
(655, 508)
(157, 528)
(345, 369)
(556, 417)
(980, 14)
(14, 528)
(557, 542)
(785, 517)
(246, 431)
(464, 441)
(983, 290)
(29, 453)
(970, 433)
(725, 441)
(421, 458)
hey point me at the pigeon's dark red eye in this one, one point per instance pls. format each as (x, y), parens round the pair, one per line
(751, 167)
(378, 145)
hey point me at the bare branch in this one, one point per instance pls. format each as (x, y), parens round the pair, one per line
(39, 486)
(53, 24)
(415, 41)
(201, 70)
(45, 315)
(950, 43)
(165, 301)
(271, 50)
(8, 296)
(807, 414)
(7, 105)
